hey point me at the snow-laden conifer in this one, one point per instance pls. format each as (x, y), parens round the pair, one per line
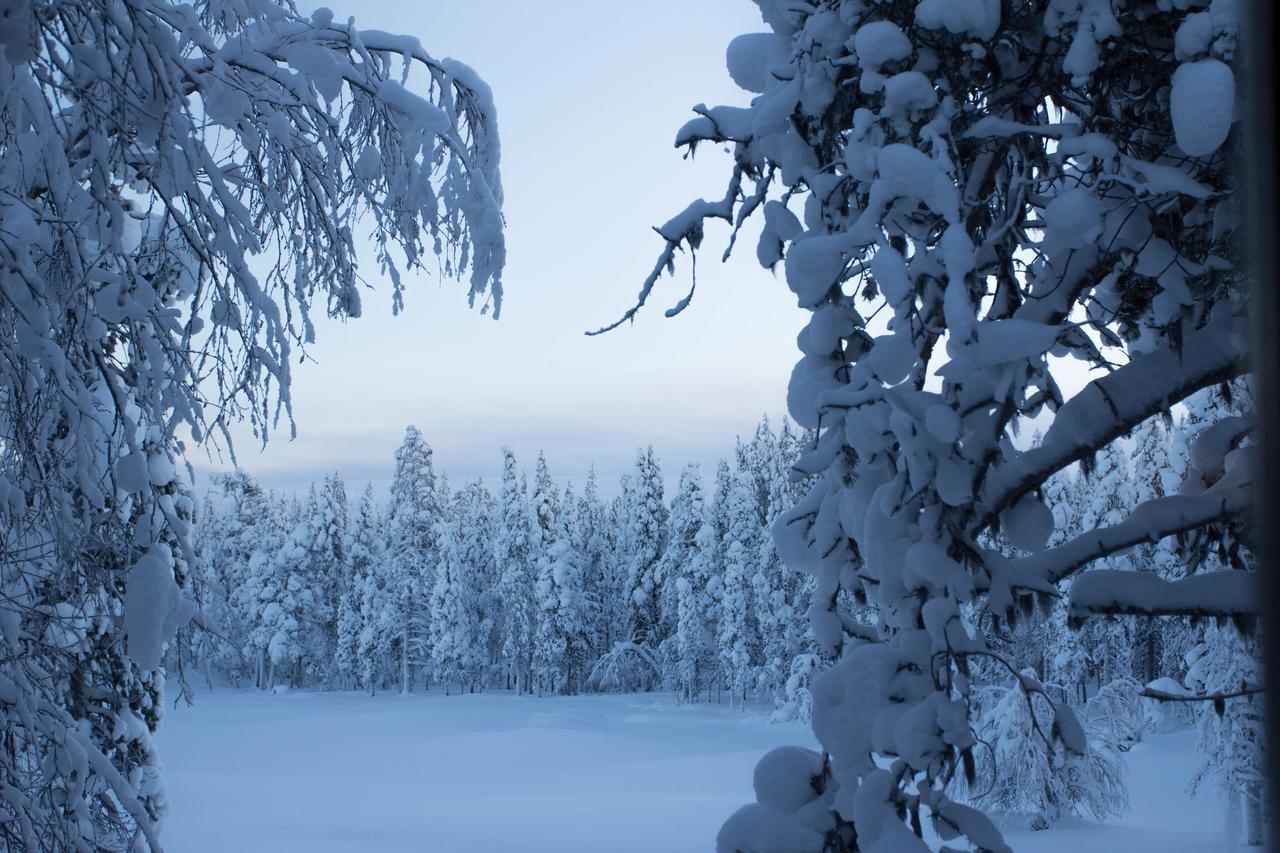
(736, 637)
(960, 195)
(515, 553)
(648, 539)
(412, 514)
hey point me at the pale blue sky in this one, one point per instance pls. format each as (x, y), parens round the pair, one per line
(589, 96)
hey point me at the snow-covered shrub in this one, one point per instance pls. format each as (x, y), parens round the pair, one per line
(1165, 716)
(626, 668)
(1115, 714)
(1021, 769)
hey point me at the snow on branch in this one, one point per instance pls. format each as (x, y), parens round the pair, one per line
(1112, 405)
(1216, 698)
(685, 227)
(1108, 591)
(1150, 522)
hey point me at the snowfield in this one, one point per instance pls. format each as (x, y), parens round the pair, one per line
(250, 771)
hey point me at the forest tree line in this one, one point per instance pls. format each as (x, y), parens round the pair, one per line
(525, 586)
(541, 589)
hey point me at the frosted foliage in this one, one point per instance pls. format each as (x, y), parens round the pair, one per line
(1020, 770)
(454, 631)
(687, 569)
(1230, 733)
(364, 636)
(1001, 190)
(181, 187)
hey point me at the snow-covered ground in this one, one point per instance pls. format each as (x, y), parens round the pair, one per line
(250, 771)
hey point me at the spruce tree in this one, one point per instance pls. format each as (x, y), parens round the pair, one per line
(361, 643)
(737, 635)
(647, 539)
(515, 553)
(411, 518)
(677, 565)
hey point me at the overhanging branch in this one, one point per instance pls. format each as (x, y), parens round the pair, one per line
(1150, 522)
(1223, 594)
(1111, 406)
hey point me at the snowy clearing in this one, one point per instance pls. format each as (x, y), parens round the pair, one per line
(494, 772)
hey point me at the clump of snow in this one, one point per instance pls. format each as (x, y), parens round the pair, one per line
(131, 472)
(1027, 524)
(752, 56)
(759, 829)
(154, 607)
(419, 114)
(814, 265)
(1094, 22)
(908, 93)
(1074, 218)
(784, 778)
(1201, 103)
(879, 42)
(979, 18)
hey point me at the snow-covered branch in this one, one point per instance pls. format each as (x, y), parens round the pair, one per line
(1149, 523)
(1112, 405)
(1217, 698)
(1226, 593)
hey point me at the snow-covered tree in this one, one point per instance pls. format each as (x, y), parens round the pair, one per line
(474, 512)
(549, 643)
(1231, 738)
(772, 584)
(677, 569)
(1159, 643)
(455, 631)
(515, 552)
(962, 194)
(146, 155)
(647, 538)
(737, 637)
(412, 551)
(362, 646)
(230, 530)
(329, 570)
(569, 605)
(261, 594)
(615, 598)
(597, 564)
(1108, 497)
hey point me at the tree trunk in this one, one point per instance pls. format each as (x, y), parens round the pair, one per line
(1254, 809)
(406, 685)
(1233, 819)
